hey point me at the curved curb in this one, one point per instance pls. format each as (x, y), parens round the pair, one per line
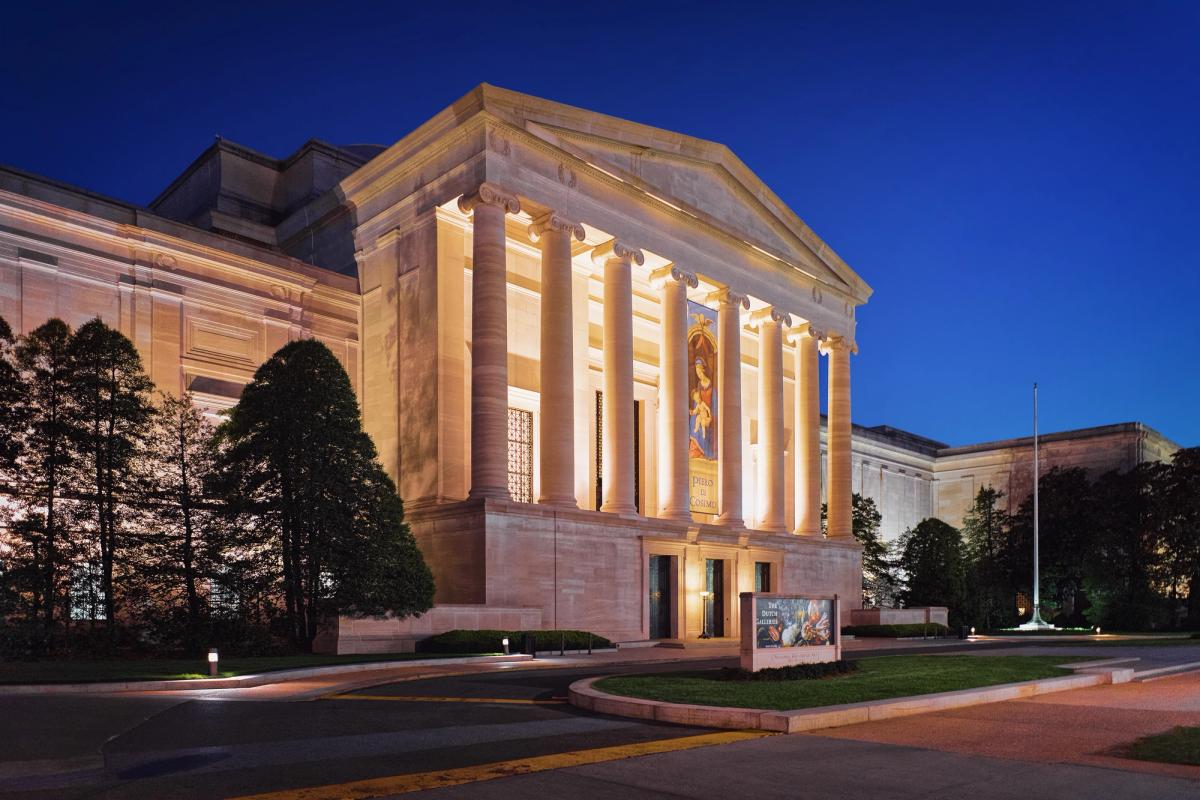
(584, 695)
(243, 681)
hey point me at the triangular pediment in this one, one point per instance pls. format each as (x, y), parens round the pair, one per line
(701, 177)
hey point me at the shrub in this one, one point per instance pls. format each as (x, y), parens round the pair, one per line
(796, 672)
(910, 630)
(489, 641)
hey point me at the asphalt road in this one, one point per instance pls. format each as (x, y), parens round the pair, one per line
(155, 746)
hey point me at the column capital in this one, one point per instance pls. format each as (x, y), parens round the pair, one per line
(769, 314)
(553, 221)
(615, 250)
(660, 277)
(727, 295)
(833, 341)
(804, 330)
(492, 195)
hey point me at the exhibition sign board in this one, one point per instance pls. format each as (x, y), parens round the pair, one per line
(779, 630)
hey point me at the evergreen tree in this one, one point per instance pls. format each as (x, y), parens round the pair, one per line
(43, 535)
(294, 455)
(931, 555)
(12, 429)
(1180, 510)
(1066, 530)
(174, 556)
(992, 602)
(880, 587)
(110, 394)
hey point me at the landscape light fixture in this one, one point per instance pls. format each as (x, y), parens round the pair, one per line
(504, 642)
(212, 662)
(704, 634)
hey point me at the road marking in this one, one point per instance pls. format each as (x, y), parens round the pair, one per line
(430, 699)
(422, 781)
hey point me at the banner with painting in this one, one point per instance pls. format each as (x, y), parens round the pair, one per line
(702, 408)
(793, 622)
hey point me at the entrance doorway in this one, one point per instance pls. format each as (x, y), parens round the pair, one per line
(714, 605)
(660, 597)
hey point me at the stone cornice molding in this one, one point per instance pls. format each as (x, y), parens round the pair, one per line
(770, 313)
(490, 194)
(552, 221)
(616, 250)
(660, 277)
(728, 296)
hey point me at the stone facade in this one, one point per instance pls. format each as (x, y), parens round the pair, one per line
(518, 262)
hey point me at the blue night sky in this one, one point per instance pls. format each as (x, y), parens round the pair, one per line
(1017, 181)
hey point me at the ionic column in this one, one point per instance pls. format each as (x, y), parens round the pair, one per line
(618, 474)
(673, 495)
(807, 431)
(489, 340)
(839, 488)
(771, 488)
(556, 423)
(729, 405)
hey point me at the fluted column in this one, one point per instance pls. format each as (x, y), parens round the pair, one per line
(556, 422)
(489, 340)
(771, 485)
(807, 431)
(673, 497)
(729, 405)
(839, 487)
(618, 473)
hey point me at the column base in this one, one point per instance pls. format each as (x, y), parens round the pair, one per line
(771, 529)
(620, 511)
(676, 516)
(489, 494)
(559, 502)
(731, 522)
(800, 532)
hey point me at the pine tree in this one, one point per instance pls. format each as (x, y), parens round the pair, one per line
(174, 551)
(110, 395)
(992, 603)
(12, 429)
(44, 541)
(295, 457)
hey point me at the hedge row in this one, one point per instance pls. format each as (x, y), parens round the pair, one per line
(487, 641)
(913, 629)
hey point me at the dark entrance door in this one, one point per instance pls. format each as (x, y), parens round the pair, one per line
(714, 584)
(660, 597)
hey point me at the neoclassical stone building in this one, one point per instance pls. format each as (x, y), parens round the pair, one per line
(588, 351)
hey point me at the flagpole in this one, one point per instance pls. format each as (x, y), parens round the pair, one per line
(1035, 621)
(1037, 600)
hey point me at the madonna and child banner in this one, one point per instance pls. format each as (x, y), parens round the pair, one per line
(702, 407)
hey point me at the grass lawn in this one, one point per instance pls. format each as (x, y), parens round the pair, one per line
(876, 679)
(83, 671)
(1178, 746)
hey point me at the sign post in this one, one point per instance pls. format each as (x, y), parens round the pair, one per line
(779, 630)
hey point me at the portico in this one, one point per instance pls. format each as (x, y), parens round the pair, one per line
(605, 362)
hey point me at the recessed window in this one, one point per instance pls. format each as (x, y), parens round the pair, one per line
(520, 455)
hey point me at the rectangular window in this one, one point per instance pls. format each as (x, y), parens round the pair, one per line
(762, 576)
(637, 453)
(520, 455)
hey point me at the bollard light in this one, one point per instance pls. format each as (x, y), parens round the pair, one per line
(504, 642)
(212, 662)
(972, 630)
(1097, 630)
